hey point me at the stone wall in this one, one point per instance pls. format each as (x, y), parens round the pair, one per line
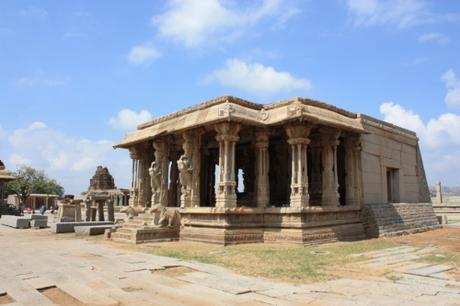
(389, 147)
(387, 219)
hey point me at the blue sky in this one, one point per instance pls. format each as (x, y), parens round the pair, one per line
(76, 75)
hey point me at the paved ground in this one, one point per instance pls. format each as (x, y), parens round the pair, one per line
(40, 268)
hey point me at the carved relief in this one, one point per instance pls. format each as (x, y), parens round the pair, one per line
(155, 182)
(185, 177)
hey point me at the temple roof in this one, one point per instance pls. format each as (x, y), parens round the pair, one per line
(228, 108)
(4, 174)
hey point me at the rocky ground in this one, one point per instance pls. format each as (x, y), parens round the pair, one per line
(40, 268)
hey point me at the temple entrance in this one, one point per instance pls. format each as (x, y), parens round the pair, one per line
(209, 166)
(244, 174)
(392, 185)
(174, 186)
(279, 174)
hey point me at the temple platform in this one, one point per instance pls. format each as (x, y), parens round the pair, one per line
(140, 229)
(280, 225)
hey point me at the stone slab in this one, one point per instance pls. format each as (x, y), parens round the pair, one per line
(90, 230)
(427, 271)
(38, 223)
(69, 227)
(15, 221)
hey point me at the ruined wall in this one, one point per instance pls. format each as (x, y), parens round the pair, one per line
(387, 146)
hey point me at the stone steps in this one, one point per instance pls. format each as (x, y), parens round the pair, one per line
(398, 219)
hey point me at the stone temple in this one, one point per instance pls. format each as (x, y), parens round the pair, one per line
(298, 171)
(102, 179)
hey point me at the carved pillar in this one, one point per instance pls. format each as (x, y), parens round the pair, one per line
(352, 149)
(196, 160)
(330, 141)
(227, 136)
(133, 193)
(145, 190)
(298, 139)
(316, 179)
(262, 168)
(141, 165)
(159, 174)
(189, 167)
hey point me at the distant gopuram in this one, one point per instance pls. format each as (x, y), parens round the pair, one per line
(298, 170)
(102, 180)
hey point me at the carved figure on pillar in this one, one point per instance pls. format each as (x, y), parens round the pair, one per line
(185, 177)
(155, 182)
(330, 141)
(159, 174)
(298, 139)
(227, 136)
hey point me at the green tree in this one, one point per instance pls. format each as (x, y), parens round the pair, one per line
(29, 180)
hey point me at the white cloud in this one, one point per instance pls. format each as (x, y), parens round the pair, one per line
(33, 12)
(142, 54)
(453, 88)
(128, 119)
(71, 161)
(196, 22)
(257, 79)
(434, 38)
(41, 81)
(402, 13)
(439, 140)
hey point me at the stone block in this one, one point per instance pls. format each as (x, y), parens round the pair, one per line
(67, 219)
(69, 227)
(39, 223)
(15, 221)
(38, 217)
(90, 230)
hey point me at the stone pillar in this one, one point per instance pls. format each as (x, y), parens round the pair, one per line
(88, 210)
(316, 176)
(261, 168)
(196, 161)
(330, 141)
(438, 192)
(352, 164)
(133, 193)
(186, 166)
(298, 139)
(100, 210)
(142, 168)
(159, 174)
(147, 157)
(227, 136)
(110, 210)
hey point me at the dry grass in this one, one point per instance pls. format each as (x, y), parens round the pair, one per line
(304, 264)
(288, 263)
